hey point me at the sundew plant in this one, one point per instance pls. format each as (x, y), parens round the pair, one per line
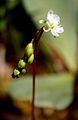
(50, 24)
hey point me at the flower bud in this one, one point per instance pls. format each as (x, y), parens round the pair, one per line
(42, 21)
(31, 58)
(16, 72)
(29, 49)
(21, 63)
(23, 71)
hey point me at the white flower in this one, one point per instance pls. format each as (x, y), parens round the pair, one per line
(53, 22)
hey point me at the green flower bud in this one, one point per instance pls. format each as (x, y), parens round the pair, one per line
(31, 58)
(21, 64)
(29, 49)
(16, 72)
(23, 71)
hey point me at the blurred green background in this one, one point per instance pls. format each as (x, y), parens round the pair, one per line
(57, 57)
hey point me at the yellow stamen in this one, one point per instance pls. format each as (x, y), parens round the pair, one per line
(52, 25)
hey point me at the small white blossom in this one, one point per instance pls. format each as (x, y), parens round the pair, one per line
(53, 22)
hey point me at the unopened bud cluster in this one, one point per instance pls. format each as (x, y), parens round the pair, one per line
(27, 59)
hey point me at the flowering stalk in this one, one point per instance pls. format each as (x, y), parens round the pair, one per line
(52, 22)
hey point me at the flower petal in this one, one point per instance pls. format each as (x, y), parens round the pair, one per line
(50, 16)
(54, 32)
(56, 19)
(59, 29)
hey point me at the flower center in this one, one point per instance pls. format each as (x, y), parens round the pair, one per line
(52, 25)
